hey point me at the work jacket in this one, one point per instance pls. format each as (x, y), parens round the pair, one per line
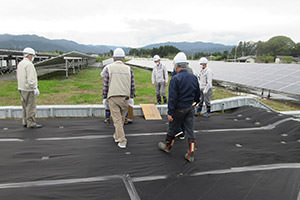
(159, 74)
(26, 75)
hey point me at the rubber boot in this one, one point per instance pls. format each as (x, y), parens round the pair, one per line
(167, 145)
(199, 109)
(207, 111)
(158, 99)
(107, 117)
(165, 100)
(190, 155)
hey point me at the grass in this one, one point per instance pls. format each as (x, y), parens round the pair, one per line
(86, 88)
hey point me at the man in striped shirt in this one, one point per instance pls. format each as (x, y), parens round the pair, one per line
(119, 89)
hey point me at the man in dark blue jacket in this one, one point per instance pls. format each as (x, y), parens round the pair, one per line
(183, 92)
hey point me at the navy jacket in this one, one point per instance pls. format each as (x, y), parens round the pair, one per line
(183, 91)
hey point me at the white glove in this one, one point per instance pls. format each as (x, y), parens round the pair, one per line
(104, 102)
(36, 91)
(131, 102)
(205, 91)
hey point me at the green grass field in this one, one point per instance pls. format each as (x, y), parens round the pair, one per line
(86, 88)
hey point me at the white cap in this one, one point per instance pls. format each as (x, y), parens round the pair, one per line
(203, 60)
(119, 53)
(29, 51)
(156, 58)
(180, 58)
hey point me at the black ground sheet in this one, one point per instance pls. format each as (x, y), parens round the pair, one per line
(244, 154)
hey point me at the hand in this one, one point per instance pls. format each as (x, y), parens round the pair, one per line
(152, 84)
(131, 102)
(170, 118)
(104, 101)
(166, 83)
(205, 91)
(36, 91)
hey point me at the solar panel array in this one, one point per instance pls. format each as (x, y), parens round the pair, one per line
(276, 77)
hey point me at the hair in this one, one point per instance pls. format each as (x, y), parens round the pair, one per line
(182, 65)
(119, 58)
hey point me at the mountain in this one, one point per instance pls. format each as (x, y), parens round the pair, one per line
(193, 47)
(19, 42)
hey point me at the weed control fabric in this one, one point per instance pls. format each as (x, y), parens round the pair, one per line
(247, 153)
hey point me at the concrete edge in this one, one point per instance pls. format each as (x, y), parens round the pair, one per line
(94, 110)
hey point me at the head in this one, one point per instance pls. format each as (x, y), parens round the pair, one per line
(119, 54)
(203, 62)
(180, 62)
(29, 53)
(156, 59)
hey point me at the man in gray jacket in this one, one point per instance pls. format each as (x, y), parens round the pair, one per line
(205, 81)
(160, 79)
(28, 88)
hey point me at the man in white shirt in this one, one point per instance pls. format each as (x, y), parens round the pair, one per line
(205, 81)
(28, 88)
(159, 79)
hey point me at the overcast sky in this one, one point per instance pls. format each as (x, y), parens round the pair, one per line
(136, 23)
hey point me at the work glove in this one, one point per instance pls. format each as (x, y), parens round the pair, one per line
(205, 91)
(36, 91)
(131, 102)
(104, 101)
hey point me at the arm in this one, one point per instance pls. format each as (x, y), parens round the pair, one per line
(153, 75)
(132, 91)
(209, 82)
(105, 85)
(172, 97)
(102, 74)
(31, 76)
(166, 75)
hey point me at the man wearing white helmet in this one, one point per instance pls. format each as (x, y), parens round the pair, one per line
(205, 81)
(119, 90)
(183, 92)
(28, 88)
(159, 79)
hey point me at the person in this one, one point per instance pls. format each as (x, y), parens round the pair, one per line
(205, 81)
(118, 87)
(183, 92)
(28, 88)
(159, 79)
(128, 119)
(105, 102)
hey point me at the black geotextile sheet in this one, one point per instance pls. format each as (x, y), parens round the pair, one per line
(76, 158)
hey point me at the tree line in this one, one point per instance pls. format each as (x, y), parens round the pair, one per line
(162, 51)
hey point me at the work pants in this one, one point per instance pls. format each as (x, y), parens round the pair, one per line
(118, 108)
(29, 108)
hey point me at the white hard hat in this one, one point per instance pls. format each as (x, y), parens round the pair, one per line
(203, 60)
(29, 51)
(119, 53)
(180, 58)
(156, 58)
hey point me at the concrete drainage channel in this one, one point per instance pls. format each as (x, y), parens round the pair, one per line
(7, 112)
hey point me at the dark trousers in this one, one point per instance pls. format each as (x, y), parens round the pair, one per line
(183, 117)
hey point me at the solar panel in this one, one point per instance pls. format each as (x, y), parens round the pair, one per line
(277, 77)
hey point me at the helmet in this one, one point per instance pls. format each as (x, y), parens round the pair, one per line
(118, 52)
(203, 60)
(156, 58)
(180, 58)
(28, 51)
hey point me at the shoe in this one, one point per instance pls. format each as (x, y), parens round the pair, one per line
(166, 146)
(36, 126)
(122, 145)
(181, 137)
(25, 125)
(206, 115)
(190, 155)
